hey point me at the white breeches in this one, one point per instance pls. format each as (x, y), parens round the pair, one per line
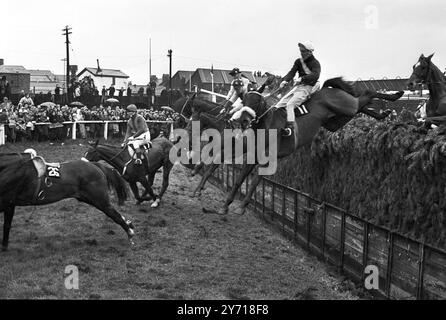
(295, 98)
(141, 140)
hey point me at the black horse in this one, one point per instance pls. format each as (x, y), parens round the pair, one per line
(121, 160)
(24, 181)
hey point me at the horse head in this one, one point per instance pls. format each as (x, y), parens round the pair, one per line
(92, 153)
(420, 72)
(254, 107)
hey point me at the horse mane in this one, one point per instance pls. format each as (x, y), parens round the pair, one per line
(340, 83)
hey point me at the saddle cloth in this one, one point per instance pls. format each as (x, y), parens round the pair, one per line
(46, 172)
(46, 168)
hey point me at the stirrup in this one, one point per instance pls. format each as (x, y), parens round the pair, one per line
(287, 132)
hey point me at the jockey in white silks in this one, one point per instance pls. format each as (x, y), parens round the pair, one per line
(138, 134)
(309, 70)
(239, 86)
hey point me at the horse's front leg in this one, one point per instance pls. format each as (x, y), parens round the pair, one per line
(251, 189)
(197, 169)
(147, 184)
(8, 215)
(135, 191)
(209, 171)
(246, 170)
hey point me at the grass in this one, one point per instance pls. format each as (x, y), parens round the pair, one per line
(180, 252)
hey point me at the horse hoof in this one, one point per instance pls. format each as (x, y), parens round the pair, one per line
(156, 203)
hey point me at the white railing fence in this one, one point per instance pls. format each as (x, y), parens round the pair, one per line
(74, 123)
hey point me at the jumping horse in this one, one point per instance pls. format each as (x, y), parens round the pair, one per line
(331, 107)
(425, 72)
(30, 181)
(132, 171)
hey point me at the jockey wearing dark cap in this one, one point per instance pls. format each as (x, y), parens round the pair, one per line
(136, 129)
(309, 70)
(239, 86)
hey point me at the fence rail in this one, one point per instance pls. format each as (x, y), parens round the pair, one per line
(408, 268)
(75, 123)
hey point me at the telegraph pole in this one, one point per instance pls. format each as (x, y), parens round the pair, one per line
(169, 54)
(67, 32)
(150, 60)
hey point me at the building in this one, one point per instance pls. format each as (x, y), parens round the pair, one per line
(180, 80)
(17, 76)
(45, 81)
(222, 79)
(105, 77)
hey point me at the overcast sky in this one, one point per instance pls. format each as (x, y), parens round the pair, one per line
(352, 38)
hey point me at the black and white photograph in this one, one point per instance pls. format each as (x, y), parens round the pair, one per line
(223, 155)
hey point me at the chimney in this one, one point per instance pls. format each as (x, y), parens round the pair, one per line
(1, 62)
(99, 68)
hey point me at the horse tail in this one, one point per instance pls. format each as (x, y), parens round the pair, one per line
(115, 181)
(340, 83)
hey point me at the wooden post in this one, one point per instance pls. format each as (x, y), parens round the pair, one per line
(73, 133)
(365, 248)
(273, 200)
(341, 262)
(389, 265)
(283, 210)
(105, 130)
(421, 261)
(296, 212)
(2, 134)
(324, 228)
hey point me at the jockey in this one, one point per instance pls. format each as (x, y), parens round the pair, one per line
(136, 128)
(239, 86)
(309, 70)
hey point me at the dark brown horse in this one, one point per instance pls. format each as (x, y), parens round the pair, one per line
(24, 182)
(425, 72)
(121, 160)
(331, 107)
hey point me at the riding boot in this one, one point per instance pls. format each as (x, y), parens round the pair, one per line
(288, 130)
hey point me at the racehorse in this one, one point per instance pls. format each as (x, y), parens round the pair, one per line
(209, 116)
(24, 182)
(331, 107)
(121, 160)
(425, 72)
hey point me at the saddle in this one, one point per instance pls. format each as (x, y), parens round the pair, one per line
(46, 172)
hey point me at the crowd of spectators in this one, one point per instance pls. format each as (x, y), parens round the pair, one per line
(26, 121)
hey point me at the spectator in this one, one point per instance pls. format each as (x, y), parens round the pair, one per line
(5, 89)
(111, 91)
(121, 94)
(129, 94)
(104, 94)
(57, 94)
(26, 100)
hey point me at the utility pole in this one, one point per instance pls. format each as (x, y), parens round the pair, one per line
(67, 42)
(169, 54)
(150, 60)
